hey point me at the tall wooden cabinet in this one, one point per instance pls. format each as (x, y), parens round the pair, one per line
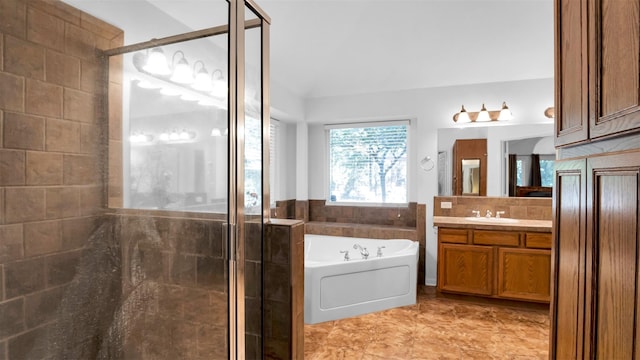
(597, 68)
(596, 250)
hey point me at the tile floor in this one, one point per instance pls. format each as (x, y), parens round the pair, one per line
(437, 327)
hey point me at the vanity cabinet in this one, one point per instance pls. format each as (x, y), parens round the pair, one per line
(502, 264)
(597, 69)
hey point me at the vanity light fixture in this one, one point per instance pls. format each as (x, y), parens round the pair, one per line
(202, 81)
(157, 63)
(462, 117)
(483, 115)
(181, 71)
(550, 112)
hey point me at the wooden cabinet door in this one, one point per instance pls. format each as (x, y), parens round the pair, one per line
(568, 260)
(613, 256)
(614, 78)
(524, 274)
(571, 72)
(465, 268)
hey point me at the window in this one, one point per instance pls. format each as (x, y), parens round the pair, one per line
(273, 161)
(368, 162)
(546, 172)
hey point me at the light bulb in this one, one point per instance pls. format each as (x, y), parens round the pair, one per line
(184, 135)
(216, 132)
(463, 116)
(174, 135)
(483, 115)
(202, 81)
(182, 73)
(505, 113)
(157, 63)
(164, 136)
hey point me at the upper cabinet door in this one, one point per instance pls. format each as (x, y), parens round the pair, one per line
(614, 71)
(571, 72)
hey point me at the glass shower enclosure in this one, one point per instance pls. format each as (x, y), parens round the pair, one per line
(187, 185)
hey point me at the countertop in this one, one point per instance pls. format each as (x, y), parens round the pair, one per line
(466, 223)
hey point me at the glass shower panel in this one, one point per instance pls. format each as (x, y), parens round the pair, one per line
(172, 225)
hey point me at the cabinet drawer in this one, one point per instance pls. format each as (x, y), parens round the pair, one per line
(538, 240)
(455, 236)
(500, 238)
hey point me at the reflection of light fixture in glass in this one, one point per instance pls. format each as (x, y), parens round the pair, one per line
(164, 136)
(550, 112)
(219, 84)
(217, 132)
(157, 62)
(137, 138)
(462, 116)
(184, 135)
(145, 84)
(505, 113)
(174, 135)
(181, 71)
(483, 115)
(202, 81)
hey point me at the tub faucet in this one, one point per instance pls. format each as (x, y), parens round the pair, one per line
(476, 213)
(346, 254)
(363, 251)
(498, 213)
(379, 254)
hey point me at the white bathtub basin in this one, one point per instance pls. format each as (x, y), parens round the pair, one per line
(492, 220)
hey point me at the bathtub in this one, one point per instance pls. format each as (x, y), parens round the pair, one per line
(335, 288)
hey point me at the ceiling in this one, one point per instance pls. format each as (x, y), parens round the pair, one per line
(340, 47)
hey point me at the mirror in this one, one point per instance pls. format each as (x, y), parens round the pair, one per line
(497, 136)
(470, 177)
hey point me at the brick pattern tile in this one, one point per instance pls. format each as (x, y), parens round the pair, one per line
(23, 131)
(24, 58)
(43, 99)
(45, 29)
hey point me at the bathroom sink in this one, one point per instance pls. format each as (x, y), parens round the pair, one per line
(492, 220)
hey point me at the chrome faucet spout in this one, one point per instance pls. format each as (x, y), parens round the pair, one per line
(363, 250)
(488, 214)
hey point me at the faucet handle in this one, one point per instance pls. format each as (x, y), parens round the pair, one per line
(476, 213)
(379, 254)
(346, 254)
(498, 213)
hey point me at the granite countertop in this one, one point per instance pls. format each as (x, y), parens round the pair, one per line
(493, 224)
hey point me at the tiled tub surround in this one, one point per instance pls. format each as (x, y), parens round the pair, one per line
(375, 222)
(51, 184)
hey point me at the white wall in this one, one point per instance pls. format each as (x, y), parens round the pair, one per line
(432, 109)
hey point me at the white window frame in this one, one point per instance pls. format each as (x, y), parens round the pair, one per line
(274, 153)
(409, 166)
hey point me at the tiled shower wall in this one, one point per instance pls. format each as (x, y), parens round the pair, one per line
(51, 184)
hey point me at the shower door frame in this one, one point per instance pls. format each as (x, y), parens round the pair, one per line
(236, 117)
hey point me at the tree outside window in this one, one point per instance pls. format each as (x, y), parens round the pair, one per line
(368, 163)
